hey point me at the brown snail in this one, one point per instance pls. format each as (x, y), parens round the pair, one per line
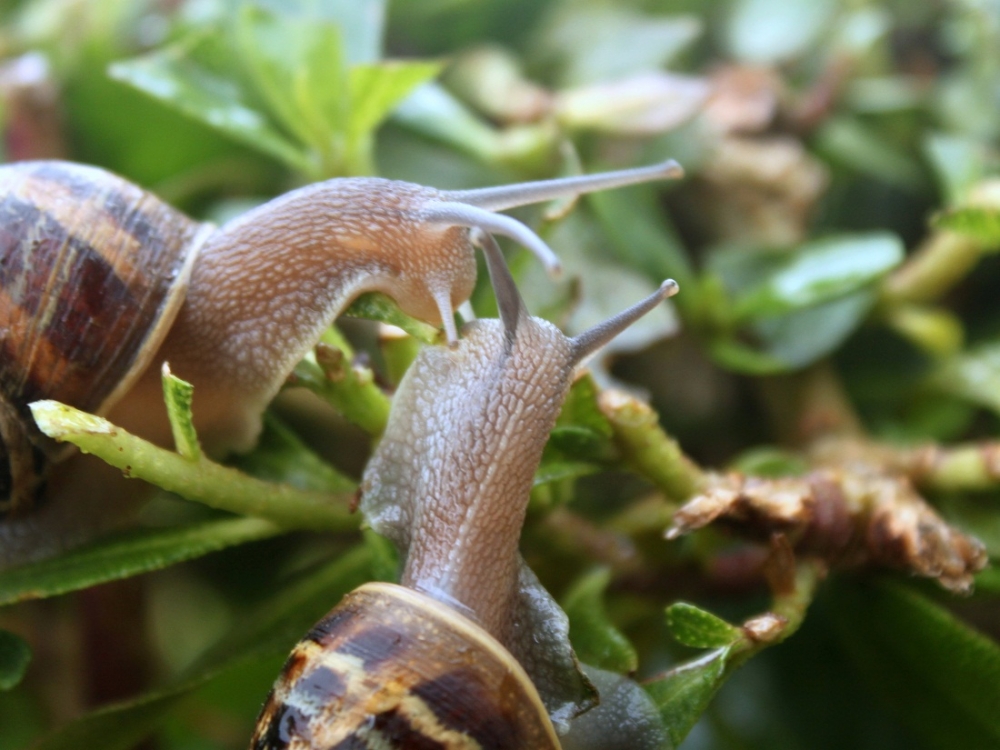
(470, 651)
(100, 282)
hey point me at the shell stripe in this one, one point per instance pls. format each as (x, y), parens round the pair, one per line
(378, 673)
(77, 295)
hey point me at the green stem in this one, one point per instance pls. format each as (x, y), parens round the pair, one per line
(940, 263)
(196, 479)
(647, 449)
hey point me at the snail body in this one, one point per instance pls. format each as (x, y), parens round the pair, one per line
(101, 282)
(449, 485)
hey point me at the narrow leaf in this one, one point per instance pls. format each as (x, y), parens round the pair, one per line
(683, 693)
(177, 395)
(939, 676)
(125, 555)
(595, 638)
(269, 631)
(696, 627)
(15, 654)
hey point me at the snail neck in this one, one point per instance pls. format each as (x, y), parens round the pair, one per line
(267, 284)
(485, 415)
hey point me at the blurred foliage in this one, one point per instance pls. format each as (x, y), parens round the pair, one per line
(835, 242)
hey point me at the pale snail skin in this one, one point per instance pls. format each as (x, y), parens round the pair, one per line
(252, 297)
(449, 485)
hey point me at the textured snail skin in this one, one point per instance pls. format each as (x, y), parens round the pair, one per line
(393, 668)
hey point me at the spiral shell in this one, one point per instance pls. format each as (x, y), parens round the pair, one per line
(392, 668)
(92, 272)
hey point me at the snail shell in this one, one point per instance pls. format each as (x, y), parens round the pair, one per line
(81, 308)
(392, 668)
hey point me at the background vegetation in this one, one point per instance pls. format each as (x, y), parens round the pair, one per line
(834, 240)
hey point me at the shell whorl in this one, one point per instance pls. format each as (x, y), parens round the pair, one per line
(92, 271)
(392, 668)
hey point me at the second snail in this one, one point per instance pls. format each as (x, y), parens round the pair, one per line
(470, 651)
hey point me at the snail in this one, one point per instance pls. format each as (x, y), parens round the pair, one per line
(101, 282)
(469, 650)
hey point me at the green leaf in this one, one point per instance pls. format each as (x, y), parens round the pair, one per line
(770, 31)
(377, 306)
(683, 693)
(361, 24)
(973, 376)
(982, 223)
(378, 88)
(583, 41)
(768, 461)
(939, 676)
(177, 395)
(822, 271)
(191, 76)
(958, 163)
(739, 357)
(298, 67)
(128, 554)
(281, 456)
(581, 443)
(15, 654)
(801, 337)
(595, 639)
(861, 147)
(270, 630)
(558, 471)
(580, 408)
(695, 627)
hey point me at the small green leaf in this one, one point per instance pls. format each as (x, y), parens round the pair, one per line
(940, 677)
(822, 271)
(596, 640)
(768, 461)
(739, 357)
(177, 395)
(580, 408)
(973, 376)
(15, 654)
(581, 443)
(125, 555)
(957, 161)
(558, 471)
(683, 693)
(982, 223)
(695, 627)
(189, 77)
(376, 89)
(770, 31)
(377, 306)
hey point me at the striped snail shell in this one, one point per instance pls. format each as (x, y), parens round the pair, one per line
(393, 668)
(92, 273)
